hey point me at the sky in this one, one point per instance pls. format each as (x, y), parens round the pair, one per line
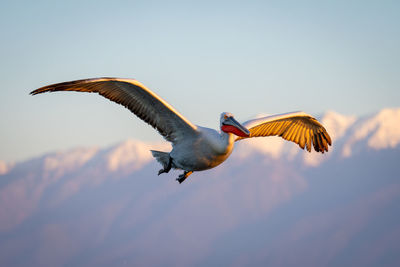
(203, 57)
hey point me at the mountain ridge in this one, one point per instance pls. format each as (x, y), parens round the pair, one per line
(378, 131)
(265, 205)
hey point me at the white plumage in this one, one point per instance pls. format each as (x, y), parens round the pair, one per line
(196, 148)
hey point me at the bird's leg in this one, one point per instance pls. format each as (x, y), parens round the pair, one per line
(166, 169)
(183, 176)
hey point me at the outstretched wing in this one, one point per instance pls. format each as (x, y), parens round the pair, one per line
(137, 98)
(297, 127)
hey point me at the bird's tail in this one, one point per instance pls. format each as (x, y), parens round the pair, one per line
(162, 157)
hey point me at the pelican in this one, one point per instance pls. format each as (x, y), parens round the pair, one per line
(196, 148)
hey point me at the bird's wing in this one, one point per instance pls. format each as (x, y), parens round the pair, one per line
(297, 127)
(137, 98)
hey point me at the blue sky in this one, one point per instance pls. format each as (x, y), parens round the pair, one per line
(203, 57)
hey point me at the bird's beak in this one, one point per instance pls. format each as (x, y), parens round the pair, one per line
(233, 126)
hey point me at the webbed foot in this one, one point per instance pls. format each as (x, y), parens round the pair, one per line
(183, 176)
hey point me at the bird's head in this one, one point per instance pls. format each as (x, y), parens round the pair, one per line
(228, 124)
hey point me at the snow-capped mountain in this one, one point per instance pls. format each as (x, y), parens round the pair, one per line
(270, 204)
(349, 135)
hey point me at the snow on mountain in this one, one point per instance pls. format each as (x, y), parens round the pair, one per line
(132, 155)
(337, 124)
(378, 132)
(270, 203)
(4, 167)
(349, 134)
(62, 162)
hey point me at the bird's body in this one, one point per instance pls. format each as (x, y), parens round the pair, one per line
(196, 148)
(205, 151)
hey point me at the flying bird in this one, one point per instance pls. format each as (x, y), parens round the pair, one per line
(196, 148)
